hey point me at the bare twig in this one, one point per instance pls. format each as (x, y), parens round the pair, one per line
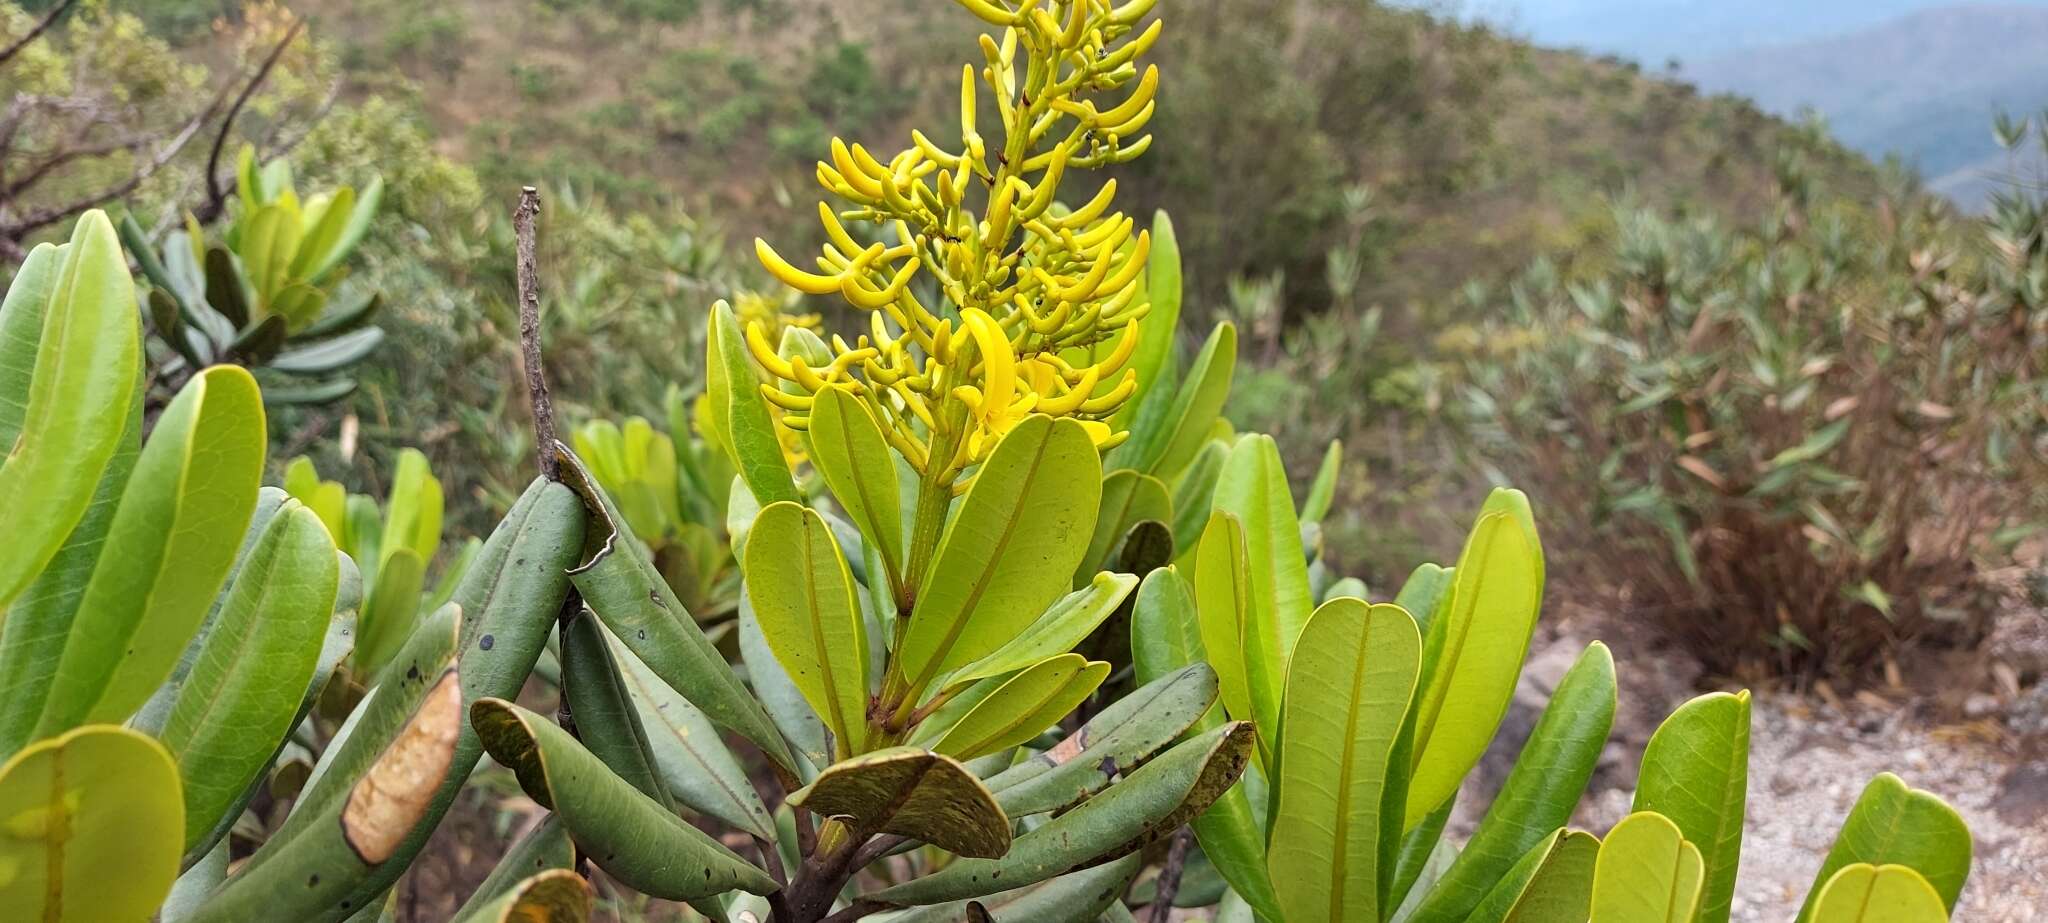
(216, 197)
(49, 19)
(20, 227)
(1169, 876)
(529, 334)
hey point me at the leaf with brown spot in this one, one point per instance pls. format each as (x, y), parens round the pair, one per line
(392, 797)
(1146, 806)
(553, 896)
(913, 792)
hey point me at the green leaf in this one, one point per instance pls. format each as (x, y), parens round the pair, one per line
(915, 793)
(803, 597)
(1892, 824)
(359, 219)
(1194, 493)
(1813, 446)
(1128, 498)
(1865, 893)
(76, 401)
(1066, 624)
(1646, 873)
(1113, 742)
(553, 896)
(1553, 883)
(329, 355)
(1475, 650)
(1541, 791)
(1009, 552)
(619, 582)
(544, 848)
(1146, 806)
(22, 314)
(780, 698)
(1022, 707)
(850, 452)
(168, 549)
(1696, 772)
(228, 288)
(39, 620)
(1347, 693)
(623, 831)
(740, 421)
(1166, 434)
(1253, 487)
(243, 693)
(1166, 632)
(391, 609)
(1324, 489)
(606, 721)
(1160, 329)
(92, 823)
(1242, 647)
(369, 797)
(1081, 897)
(323, 232)
(412, 514)
(700, 771)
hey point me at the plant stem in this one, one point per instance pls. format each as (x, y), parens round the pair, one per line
(1169, 876)
(529, 335)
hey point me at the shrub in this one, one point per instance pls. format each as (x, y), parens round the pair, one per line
(1789, 445)
(933, 521)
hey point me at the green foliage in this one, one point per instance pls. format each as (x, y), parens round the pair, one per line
(1760, 425)
(269, 295)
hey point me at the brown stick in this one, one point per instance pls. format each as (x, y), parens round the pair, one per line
(216, 197)
(529, 334)
(1169, 876)
(49, 19)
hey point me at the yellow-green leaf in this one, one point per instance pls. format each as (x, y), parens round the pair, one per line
(1892, 824)
(1696, 772)
(173, 537)
(1347, 694)
(803, 595)
(1646, 873)
(1128, 498)
(740, 421)
(1475, 648)
(1249, 669)
(1865, 893)
(1019, 709)
(1253, 487)
(75, 403)
(849, 450)
(91, 826)
(1009, 552)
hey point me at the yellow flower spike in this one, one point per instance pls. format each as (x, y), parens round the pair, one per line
(1131, 12)
(1086, 286)
(1070, 401)
(862, 297)
(989, 12)
(1077, 23)
(757, 344)
(1110, 231)
(1132, 151)
(1128, 272)
(785, 399)
(938, 155)
(806, 282)
(999, 362)
(1135, 125)
(1114, 397)
(1126, 345)
(1134, 48)
(834, 231)
(1048, 28)
(997, 226)
(850, 171)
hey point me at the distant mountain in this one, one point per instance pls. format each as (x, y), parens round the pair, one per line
(1923, 86)
(1655, 31)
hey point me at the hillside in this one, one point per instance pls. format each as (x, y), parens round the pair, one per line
(1654, 31)
(1480, 151)
(1923, 86)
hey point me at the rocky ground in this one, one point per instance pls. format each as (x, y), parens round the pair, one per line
(1974, 731)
